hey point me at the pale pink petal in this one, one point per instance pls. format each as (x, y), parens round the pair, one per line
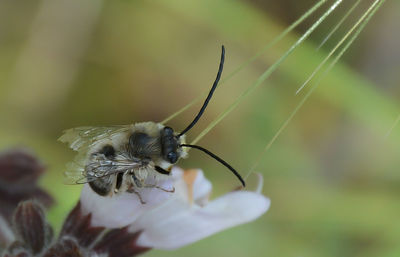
(175, 223)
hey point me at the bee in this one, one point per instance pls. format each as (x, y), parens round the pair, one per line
(128, 158)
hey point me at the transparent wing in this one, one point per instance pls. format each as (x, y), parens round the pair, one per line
(81, 139)
(75, 174)
(84, 137)
(79, 173)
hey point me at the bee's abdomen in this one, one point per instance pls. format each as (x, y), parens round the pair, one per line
(102, 186)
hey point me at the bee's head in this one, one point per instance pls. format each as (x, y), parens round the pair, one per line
(169, 145)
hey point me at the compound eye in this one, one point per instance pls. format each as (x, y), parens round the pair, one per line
(172, 157)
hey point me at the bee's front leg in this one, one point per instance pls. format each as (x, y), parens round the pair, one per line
(158, 187)
(136, 181)
(138, 184)
(132, 190)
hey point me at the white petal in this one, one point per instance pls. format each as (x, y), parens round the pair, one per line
(201, 189)
(181, 190)
(176, 173)
(175, 224)
(121, 210)
(194, 187)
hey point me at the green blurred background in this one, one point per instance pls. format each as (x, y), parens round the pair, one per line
(332, 177)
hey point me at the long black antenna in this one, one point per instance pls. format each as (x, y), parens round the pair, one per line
(219, 160)
(214, 86)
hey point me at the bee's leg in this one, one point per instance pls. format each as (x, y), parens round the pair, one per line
(131, 190)
(137, 182)
(158, 187)
(165, 172)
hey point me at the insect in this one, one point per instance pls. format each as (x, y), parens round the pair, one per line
(128, 158)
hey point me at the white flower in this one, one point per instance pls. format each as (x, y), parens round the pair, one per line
(123, 209)
(173, 220)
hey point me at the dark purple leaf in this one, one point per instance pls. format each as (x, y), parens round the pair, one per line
(22, 254)
(9, 200)
(18, 249)
(30, 227)
(65, 248)
(119, 243)
(19, 170)
(6, 233)
(78, 226)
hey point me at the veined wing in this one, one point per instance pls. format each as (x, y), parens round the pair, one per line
(75, 173)
(78, 173)
(84, 137)
(81, 139)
